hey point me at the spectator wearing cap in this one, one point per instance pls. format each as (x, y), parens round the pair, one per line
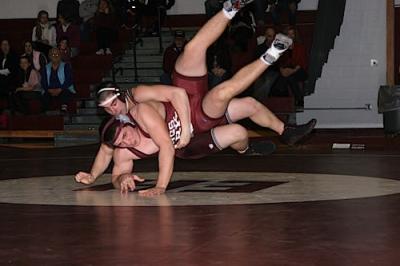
(171, 54)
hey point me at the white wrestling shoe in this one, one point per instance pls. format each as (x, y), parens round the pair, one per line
(279, 45)
(231, 7)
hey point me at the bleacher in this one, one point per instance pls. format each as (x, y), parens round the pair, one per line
(89, 69)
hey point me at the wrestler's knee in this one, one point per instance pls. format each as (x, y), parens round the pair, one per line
(238, 132)
(252, 105)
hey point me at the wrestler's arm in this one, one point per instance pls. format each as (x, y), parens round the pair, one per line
(101, 162)
(153, 123)
(179, 100)
(122, 176)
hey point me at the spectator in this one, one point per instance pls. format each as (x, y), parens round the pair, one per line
(65, 29)
(242, 43)
(212, 7)
(264, 84)
(57, 81)
(65, 51)
(279, 6)
(127, 13)
(105, 27)
(87, 11)
(28, 86)
(37, 58)
(219, 63)
(148, 14)
(69, 9)
(171, 54)
(8, 69)
(44, 33)
(292, 66)
(267, 40)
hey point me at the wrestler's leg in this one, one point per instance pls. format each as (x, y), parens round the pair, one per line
(216, 101)
(192, 61)
(248, 107)
(236, 137)
(232, 135)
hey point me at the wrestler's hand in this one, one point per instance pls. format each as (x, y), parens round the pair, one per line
(127, 182)
(152, 192)
(183, 141)
(84, 178)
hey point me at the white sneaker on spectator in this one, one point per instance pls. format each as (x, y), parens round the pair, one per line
(100, 52)
(64, 108)
(108, 51)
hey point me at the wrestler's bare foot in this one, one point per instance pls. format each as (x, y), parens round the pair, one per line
(293, 133)
(152, 192)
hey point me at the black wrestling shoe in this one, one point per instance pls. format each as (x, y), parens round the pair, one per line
(264, 147)
(293, 134)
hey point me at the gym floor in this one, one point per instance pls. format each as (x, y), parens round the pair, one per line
(305, 205)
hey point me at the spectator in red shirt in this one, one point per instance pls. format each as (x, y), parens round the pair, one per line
(171, 55)
(293, 68)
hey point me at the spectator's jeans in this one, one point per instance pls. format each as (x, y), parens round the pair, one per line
(104, 37)
(263, 85)
(65, 97)
(22, 99)
(293, 83)
(283, 5)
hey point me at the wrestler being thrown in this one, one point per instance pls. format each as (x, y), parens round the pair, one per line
(155, 127)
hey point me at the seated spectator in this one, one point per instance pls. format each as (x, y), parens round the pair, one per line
(57, 81)
(44, 33)
(292, 66)
(69, 9)
(212, 7)
(171, 54)
(105, 27)
(242, 43)
(279, 6)
(28, 86)
(87, 11)
(8, 70)
(65, 51)
(219, 63)
(66, 30)
(37, 58)
(263, 85)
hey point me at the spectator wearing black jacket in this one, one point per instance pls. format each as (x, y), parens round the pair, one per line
(69, 9)
(8, 70)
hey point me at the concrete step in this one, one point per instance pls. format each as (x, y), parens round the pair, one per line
(155, 72)
(131, 80)
(143, 59)
(73, 138)
(90, 111)
(88, 103)
(82, 127)
(87, 119)
(129, 64)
